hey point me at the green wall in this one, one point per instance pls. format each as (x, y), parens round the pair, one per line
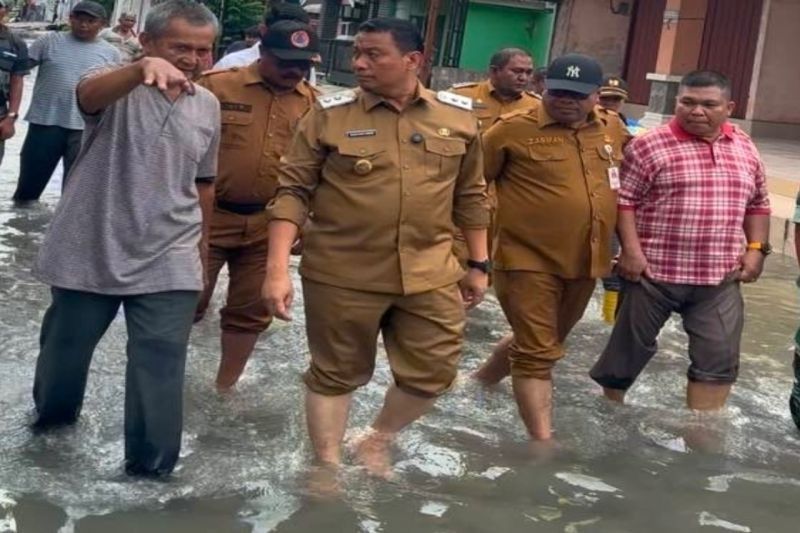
(490, 28)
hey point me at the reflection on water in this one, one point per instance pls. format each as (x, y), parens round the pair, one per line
(465, 467)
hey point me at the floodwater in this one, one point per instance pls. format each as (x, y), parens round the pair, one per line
(464, 468)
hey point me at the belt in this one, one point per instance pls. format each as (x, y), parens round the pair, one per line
(241, 209)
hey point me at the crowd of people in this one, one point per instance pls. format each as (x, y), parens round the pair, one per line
(403, 202)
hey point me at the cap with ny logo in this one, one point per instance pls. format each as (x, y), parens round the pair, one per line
(574, 72)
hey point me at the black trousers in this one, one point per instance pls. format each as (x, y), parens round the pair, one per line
(43, 148)
(158, 333)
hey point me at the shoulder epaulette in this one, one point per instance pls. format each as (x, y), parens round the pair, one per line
(455, 100)
(464, 85)
(220, 71)
(337, 99)
(511, 114)
(535, 95)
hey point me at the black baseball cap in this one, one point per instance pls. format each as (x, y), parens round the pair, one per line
(574, 72)
(614, 86)
(90, 8)
(291, 40)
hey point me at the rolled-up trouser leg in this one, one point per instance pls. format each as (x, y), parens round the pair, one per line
(542, 309)
(643, 310)
(72, 326)
(158, 334)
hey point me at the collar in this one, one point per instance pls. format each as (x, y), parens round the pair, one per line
(490, 90)
(371, 100)
(726, 130)
(252, 77)
(546, 120)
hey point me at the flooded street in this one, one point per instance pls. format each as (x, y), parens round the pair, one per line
(466, 467)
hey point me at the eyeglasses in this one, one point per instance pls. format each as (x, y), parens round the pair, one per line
(562, 93)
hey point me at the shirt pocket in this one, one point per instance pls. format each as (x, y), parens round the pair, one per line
(443, 157)
(356, 159)
(546, 153)
(236, 130)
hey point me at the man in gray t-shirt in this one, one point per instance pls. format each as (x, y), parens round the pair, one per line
(54, 122)
(131, 230)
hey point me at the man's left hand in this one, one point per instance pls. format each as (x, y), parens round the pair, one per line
(751, 263)
(7, 129)
(473, 287)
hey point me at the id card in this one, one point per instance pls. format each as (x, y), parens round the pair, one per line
(613, 178)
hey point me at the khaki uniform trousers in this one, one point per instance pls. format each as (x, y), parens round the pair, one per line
(422, 333)
(241, 242)
(542, 309)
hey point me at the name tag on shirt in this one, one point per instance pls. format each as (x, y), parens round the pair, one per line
(613, 178)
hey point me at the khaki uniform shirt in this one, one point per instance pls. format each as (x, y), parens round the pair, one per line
(487, 107)
(557, 210)
(257, 128)
(385, 188)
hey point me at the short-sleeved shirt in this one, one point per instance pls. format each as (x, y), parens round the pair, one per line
(690, 197)
(556, 207)
(257, 127)
(62, 60)
(13, 61)
(385, 188)
(129, 220)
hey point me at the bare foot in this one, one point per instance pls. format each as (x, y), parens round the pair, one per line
(373, 451)
(543, 451)
(323, 482)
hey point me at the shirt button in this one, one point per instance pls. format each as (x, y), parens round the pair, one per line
(403, 141)
(272, 116)
(362, 151)
(405, 167)
(269, 135)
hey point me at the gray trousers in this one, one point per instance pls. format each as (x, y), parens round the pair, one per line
(158, 333)
(713, 317)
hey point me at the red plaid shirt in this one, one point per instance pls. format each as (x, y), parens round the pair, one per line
(690, 198)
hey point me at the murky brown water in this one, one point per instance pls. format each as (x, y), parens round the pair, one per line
(464, 468)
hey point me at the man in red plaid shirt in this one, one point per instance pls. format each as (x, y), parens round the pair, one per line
(693, 222)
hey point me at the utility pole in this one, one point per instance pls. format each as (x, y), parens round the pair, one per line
(430, 40)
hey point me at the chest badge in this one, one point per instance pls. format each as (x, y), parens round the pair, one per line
(444, 132)
(363, 167)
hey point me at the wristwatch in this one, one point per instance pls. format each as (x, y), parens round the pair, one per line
(12, 115)
(483, 266)
(763, 247)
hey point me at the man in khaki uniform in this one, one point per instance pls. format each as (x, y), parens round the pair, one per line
(261, 105)
(556, 170)
(510, 72)
(387, 171)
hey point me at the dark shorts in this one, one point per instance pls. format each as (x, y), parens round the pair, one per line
(713, 316)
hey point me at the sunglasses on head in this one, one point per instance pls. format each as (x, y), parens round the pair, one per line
(562, 93)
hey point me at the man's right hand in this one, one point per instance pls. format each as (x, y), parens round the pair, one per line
(278, 293)
(162, 74)
(632, 266)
